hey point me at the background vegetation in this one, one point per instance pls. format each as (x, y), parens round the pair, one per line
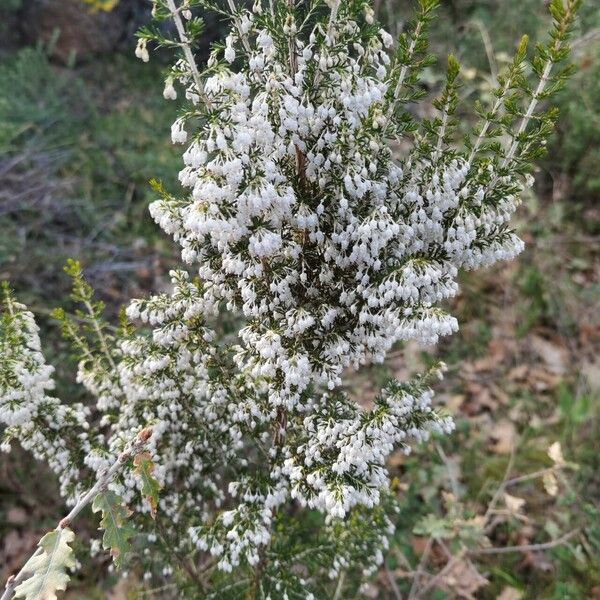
(83, 127)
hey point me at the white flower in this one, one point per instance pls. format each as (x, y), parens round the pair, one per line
(229, 49)
(141, 51)
(169, 92)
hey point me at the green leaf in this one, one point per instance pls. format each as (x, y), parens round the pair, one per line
(150, 486)
(435, 527)
(48, 569)
(453, 68)
(117, 529)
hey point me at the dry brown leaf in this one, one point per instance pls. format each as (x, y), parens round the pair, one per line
(550, 484)
(591, 371)
(513, 503)
(541, 379)
(503, 437)
(555, 453)
(396, 459)
(554, 355)
(500, 347)
(509, 593)
(418, 544)
(518, 373)
(464, 579)
(453, 403)
(538, 561)
(499, 394)
(487, 363)
(486, 400)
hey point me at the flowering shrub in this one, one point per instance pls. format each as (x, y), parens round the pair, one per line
(331, 222)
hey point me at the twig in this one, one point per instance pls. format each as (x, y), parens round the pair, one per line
(103, 480)
(162, 588)
(530, 476)
(585, 40)
(442, 132)
(100, 335)
(293, 56)
(411, 51)
(340, 586)
(400, 556)
(188, 566)
(527, 547)
(420, 570)
(238, 25)
(330, 30)
(229, 587)
(492, 505)
(434, 580)
(392, 581)
(487, 123)
(187, 51)
(451, 477)
(489, 50)
(535, 98)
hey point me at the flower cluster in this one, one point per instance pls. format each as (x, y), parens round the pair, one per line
(54, 432)
(341, 463)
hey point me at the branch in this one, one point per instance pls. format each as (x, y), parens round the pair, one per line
(340, 586)
(100, 334)
(392, 581)
(420, 570)
(330, 31)
(188, 566)
(563, 29)
(411, 51)
(502, 486)
(434, 580)
(531, 476)
(527, 547)
(238, 25)
(101, 483)
(187, 51)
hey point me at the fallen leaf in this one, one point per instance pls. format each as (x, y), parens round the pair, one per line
(518, 373)
(538, 561)
(541, 379)
(464, 579)
(513, 503)
(503, 437)
(591, 371)
(499, 395)
(550, 484)
(396, 459)
(555, 453)
(453, 403)
(509, 593)
(555, 356)
(418, 544)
